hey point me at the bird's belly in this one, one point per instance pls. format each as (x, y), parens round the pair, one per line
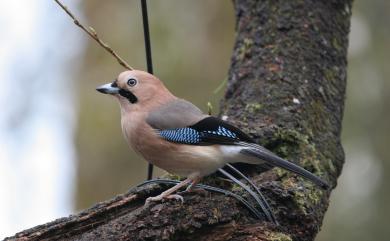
(186, 160)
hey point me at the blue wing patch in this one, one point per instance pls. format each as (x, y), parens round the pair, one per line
(208, 131)
(181, 135)
(189, 135)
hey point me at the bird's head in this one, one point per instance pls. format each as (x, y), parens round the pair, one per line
(135, 88)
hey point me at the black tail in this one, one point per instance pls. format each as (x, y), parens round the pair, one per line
(263, 204)
(268, 213)
(274, 160)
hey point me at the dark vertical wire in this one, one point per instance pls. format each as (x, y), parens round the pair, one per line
(149, 63)
(147, 36)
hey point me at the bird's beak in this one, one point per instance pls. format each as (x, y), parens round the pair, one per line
(109, 88)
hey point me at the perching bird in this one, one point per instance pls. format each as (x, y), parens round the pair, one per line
(176, 136)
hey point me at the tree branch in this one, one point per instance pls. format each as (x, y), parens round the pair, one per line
(91, 32)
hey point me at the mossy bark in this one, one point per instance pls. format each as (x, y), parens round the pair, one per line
(286, 88)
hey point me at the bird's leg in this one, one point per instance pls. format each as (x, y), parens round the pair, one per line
(192, 184)
(192, 187)
(168, 194)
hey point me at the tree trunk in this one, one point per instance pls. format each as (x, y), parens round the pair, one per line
(286, 89)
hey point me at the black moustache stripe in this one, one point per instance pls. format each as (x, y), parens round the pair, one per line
(128, 95)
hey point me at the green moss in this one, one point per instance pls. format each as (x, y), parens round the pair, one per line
(245, 48)
(288, 183)
(289, 142)
(293, 142)
(315, 196)
(305, 197)
(216, 215)
(311, 158)
(300, 201)
(213, 180)
(172, 177)
(280, 172)
(332, 75)
(283, 150)
(236, 187)
(299, 197)
(253, 107)
(336, 44)
(291, 136)
(318, 120)
(331, 166)
(276, 236)
(329, 74)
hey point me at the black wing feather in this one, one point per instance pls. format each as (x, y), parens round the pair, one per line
(209, 128)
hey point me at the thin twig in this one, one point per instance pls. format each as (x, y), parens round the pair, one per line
(91, 32)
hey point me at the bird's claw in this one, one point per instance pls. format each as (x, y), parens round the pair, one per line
(176, 197)
(160, 198)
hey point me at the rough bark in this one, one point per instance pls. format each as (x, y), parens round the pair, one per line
(286, 89)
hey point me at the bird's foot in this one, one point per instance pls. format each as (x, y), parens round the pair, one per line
(161, 198)
(192, 185)
(177, 197)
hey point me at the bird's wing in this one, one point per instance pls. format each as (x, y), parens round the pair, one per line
(182, 122)
(175, 114)
(207, 131)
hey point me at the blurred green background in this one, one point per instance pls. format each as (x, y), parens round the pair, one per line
(192, 42)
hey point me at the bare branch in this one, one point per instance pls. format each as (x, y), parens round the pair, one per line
(91, 32)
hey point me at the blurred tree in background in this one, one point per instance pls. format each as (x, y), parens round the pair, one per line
(192, 43)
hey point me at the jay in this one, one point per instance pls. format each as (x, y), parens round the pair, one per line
(178, 137)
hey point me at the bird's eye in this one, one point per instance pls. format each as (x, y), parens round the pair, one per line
(132, 82)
